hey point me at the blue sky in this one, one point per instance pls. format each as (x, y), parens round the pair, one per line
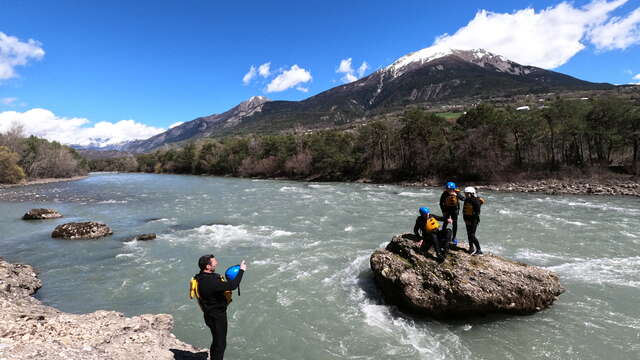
(132, 68)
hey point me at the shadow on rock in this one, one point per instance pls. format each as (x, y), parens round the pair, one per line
(188, 355)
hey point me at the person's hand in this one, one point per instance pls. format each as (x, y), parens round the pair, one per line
(449, 220)
(420, 243)
(243, 266)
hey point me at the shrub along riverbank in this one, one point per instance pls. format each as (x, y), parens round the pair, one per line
(486, 144)
(30, 158)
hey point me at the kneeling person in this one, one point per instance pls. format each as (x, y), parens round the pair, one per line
(427, 228)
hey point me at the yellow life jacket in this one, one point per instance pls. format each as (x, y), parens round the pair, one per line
(452, 199)
(194, 294)
(432, 225)
(193, 289)
(467, 209)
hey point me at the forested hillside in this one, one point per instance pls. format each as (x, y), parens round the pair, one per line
(487, 143)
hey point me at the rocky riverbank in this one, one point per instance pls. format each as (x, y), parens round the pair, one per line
(42, 181)
(31, 330)
(612, 187)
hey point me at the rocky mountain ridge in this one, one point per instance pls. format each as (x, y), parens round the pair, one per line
(422, 78)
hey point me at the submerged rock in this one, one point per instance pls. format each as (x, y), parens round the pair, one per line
(32, 330)
(462, 285)
(41, 214)
(81, 230)
(145, 237)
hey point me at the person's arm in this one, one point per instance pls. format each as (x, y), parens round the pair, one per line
(476, 207)
(416, 227)
(460, 196)
(219, 285)
(442, 199)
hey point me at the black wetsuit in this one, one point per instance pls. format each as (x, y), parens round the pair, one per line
(451, 211)
(211, 288)
(471, 216)
(438, 238)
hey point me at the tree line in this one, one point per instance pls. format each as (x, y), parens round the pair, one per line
(486, 143)
(23, 157)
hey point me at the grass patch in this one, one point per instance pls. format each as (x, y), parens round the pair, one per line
(449, 115)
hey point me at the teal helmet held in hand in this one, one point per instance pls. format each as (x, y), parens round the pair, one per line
(232, 272)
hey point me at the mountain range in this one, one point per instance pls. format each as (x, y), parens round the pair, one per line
(424, 78)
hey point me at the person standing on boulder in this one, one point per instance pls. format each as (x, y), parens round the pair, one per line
(450, 206)
(212, 300)
(427, 229)
(471, 216)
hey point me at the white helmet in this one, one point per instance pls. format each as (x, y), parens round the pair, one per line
(470, 190)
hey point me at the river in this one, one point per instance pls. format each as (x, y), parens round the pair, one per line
(309, 292)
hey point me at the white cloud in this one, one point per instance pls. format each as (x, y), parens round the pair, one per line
(246, 79)
(637, 77)
(264, 70)
(303, 89)
(44, 123)
(617, 33)
(288, 79)
(348, 71)
(14, 52)
(548, 38)
(8, 101)
(176, 124)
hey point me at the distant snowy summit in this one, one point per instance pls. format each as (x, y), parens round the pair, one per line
(480, 57)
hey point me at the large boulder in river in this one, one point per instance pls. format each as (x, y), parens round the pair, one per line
(81, 230)
(41, 214)
(31, 330)
(462, 285)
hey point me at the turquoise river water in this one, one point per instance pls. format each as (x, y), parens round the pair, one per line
(309, 292)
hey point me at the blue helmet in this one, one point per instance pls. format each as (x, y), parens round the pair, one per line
(451, 185)
(424, 211)
(232, 272)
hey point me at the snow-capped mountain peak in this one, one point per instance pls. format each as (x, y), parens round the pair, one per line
(479, 57)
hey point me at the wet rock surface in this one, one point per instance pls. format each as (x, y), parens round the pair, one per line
(462, 285)
(81, 230)
(41, 214)
(146, 237)
(32, 330)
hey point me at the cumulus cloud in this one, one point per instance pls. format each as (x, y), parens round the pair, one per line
(76, 131)
(349, 73)
(548, 38)
(246, 79)
(302, 89)
(9, 101)
(617, 33)
(176, 124)
(288, 79)
(637, 77)
(14, 53)
(264, 70)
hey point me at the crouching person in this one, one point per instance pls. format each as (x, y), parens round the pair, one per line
(427, 228)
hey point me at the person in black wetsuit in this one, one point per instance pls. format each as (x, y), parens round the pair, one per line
(471, 216)
(427, 230)
(450, 207)
(213, 302)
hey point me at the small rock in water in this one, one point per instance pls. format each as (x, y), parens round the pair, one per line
(145, 237)
(81, 230)
(41, 214)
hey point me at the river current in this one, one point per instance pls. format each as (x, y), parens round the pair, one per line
(309, 292)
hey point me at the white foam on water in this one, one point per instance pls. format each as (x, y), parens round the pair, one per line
(217, 235)
(320, 186)
(348, 228)
(590, 205)
(540, 257)
(124, 255)
(628, 234)
(615, 271)
(111, 201)
(415, 194)
(292, 189)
